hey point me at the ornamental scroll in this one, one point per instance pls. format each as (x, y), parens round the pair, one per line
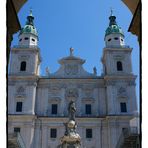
(71, 69)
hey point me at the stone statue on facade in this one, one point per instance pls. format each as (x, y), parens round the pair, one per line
(47, 71)
(95, 70)
(71, 51)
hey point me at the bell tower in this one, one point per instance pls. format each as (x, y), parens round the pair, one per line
(117, 71)
(24, 70)
(25, 57)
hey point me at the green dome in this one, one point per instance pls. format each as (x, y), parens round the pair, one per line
(113, 27)
(29, 27)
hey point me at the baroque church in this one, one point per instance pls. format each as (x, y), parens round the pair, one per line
(37, 105)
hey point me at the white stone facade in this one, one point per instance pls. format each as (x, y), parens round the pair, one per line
(111, 97)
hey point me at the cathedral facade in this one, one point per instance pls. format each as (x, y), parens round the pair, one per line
(37, 105)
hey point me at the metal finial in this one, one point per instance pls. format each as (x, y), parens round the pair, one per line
(111, 10)
(30, 11)
(71, 51)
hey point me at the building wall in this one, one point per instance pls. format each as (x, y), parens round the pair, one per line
(36, 131)
(106, 94)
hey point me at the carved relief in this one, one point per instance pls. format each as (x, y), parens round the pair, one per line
(71, 93)
(71, 69)
(20, 92)
(122, 92)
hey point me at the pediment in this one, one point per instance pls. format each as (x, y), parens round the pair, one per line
(72, 67)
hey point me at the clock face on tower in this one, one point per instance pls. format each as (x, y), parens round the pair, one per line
(71, 69)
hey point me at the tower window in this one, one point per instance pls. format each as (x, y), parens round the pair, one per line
(26, 38)
(17, 130)
(116, 38)
(54, 109)
(23, 66)
(119, 66)
(88, 109)
(88, 133)
(20, 40)
(33, 40)
(53, 133)
(123, 107)
(19, 106)
(109, 40)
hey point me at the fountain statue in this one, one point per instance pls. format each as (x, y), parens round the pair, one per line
(71, 138)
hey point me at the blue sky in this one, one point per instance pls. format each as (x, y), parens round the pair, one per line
(80, 24)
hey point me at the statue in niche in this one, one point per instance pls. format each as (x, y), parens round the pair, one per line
(71, 110)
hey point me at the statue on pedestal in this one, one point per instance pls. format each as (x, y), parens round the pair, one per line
(71, 138)
(71, 110)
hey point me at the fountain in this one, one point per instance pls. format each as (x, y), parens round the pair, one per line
(71, 138)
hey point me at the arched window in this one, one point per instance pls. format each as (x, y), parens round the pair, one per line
(119, 66)
(23, 66)
(33, 40)
(109, 40)
(116, 38)
(26, 38)
(123, 107)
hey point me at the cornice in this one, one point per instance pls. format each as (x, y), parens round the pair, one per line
(21, 117)
(64, 83)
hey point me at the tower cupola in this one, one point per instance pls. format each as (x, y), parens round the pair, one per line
(114, 36)
(28, 35)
